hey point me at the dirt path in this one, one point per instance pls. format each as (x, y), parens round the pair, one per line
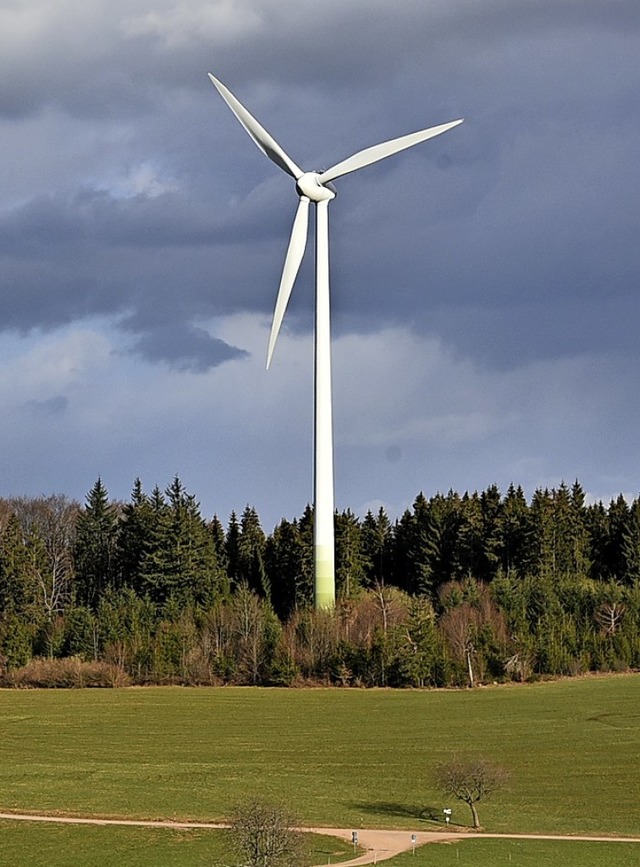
(379, 844)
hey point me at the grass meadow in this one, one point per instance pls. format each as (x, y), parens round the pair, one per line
(48, 845)
(348, 758)
(26, 844)
(34, 844)
(520, 853)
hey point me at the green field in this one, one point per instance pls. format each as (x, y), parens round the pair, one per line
(521, 853)
(353, 758)
(25, 844)
(44, 845)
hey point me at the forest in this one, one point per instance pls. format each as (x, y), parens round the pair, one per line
(462, 589)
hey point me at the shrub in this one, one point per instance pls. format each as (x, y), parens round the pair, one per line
(67, 673)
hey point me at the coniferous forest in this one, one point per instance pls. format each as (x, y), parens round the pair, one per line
(462, 589)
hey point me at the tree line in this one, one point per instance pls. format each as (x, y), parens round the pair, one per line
(460, 589)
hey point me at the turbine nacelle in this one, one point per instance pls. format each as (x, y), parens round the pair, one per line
(309, 185)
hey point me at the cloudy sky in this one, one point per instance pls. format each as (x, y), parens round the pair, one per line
(485, 285)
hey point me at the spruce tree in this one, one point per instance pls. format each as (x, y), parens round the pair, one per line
(541, 534)
(95, 547)
(134, 538)
(515, 529)
(153, 576)
(631, 545)
(377, 542)
(17, 589)
(285, 564)
(579, 532)
(470, 538)
(422, 543)
(492, 511)
(232, 549)
(563, 515)
(192, 573)
(220, 544)
(618, 526)
(597, 526)
(251, 551)
(351, 561)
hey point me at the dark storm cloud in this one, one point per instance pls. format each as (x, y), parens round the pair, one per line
(155, 262)
(531, 202)
(485, 283)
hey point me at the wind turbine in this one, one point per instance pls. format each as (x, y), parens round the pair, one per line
(316, 187)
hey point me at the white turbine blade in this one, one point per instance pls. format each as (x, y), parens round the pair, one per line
(267, 144)
(295, 252)
(380, 151)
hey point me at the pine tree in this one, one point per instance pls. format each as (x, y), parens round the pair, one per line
(17, 590)
(351, 563)
(136, 521)
(618, 524)
(95, 547)
(492, 511)
(377, 542)
(194, 565)
(144, 544)
(541, 534)
(421, 544)
(286, 566)
(446, 521)
(631, 545)
(251, 550)
(563, 517)
(420, 660)
(470, 538)
(579, 531)
(597, 525)
(232, 549)
(220, 544)
(515, 528)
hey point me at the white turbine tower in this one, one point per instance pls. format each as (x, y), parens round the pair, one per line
(316, 187)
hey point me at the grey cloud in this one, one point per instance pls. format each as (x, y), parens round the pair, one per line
(103, 63)
(531, 201)
(52, 406)
(185, 348)
(167, 258)
(512, 240)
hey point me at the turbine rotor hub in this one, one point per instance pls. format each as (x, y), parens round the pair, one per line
(309, 185)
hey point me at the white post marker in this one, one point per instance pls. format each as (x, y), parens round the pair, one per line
(447, 814)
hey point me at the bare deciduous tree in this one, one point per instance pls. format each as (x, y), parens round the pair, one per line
(470, 780)
(464, 621)
(608, 616)
(265, 835)
(48, 524)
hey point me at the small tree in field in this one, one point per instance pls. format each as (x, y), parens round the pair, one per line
(470, 780)
(265, 835)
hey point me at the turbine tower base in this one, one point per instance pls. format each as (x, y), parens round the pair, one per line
(325, 594)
